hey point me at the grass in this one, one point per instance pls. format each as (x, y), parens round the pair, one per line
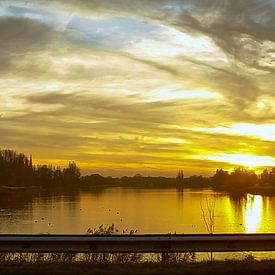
(222, 267)
(96, 258)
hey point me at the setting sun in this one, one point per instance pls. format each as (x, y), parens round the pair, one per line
(249, 161)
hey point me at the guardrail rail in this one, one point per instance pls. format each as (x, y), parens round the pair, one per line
(137, 243)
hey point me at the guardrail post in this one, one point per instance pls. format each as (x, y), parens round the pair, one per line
(164, 257)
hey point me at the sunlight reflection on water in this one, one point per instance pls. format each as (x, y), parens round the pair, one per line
(144, 210)
(253, 213)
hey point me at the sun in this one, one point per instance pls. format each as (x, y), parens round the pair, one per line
(246, 160)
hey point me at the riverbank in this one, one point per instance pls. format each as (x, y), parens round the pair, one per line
(202, 268)
(13, 197)
(9, 190)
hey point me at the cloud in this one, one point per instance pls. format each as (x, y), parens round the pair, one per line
(110, 83)
(237, 87)
(19, 37)
(109, 132)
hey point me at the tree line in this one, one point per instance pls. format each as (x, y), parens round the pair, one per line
(242, 178)
(17, 169)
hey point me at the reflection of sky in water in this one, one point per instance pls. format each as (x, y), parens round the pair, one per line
(148, 211)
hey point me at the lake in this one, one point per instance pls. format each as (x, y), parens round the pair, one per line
(144, 210)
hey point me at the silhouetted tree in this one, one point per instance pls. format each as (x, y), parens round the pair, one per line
(242, 178)
(15, 169)
(71, 175)
(44, 176)
(220, 177)
(265, 177)
(272, 176)
(93, 180)
(180, 177)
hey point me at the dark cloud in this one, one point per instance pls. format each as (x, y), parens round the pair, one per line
(29, 35)
(128, 109)
(20, 37)
(237, 27)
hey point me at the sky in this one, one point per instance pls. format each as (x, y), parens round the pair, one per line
(139, 86)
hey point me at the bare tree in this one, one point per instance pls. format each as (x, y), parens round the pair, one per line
(208, 215)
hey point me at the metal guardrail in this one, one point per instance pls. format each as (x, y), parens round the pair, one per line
(137, 243)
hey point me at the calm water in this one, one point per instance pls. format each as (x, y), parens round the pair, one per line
(148, 211)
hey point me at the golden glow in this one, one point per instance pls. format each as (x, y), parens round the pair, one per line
(139, 88)
(165, 140)
(263, 131)
(261, 105)
(175, 93)
(253, 213)
(249, 161)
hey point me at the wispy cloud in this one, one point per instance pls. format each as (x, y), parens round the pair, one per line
(138, 85)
